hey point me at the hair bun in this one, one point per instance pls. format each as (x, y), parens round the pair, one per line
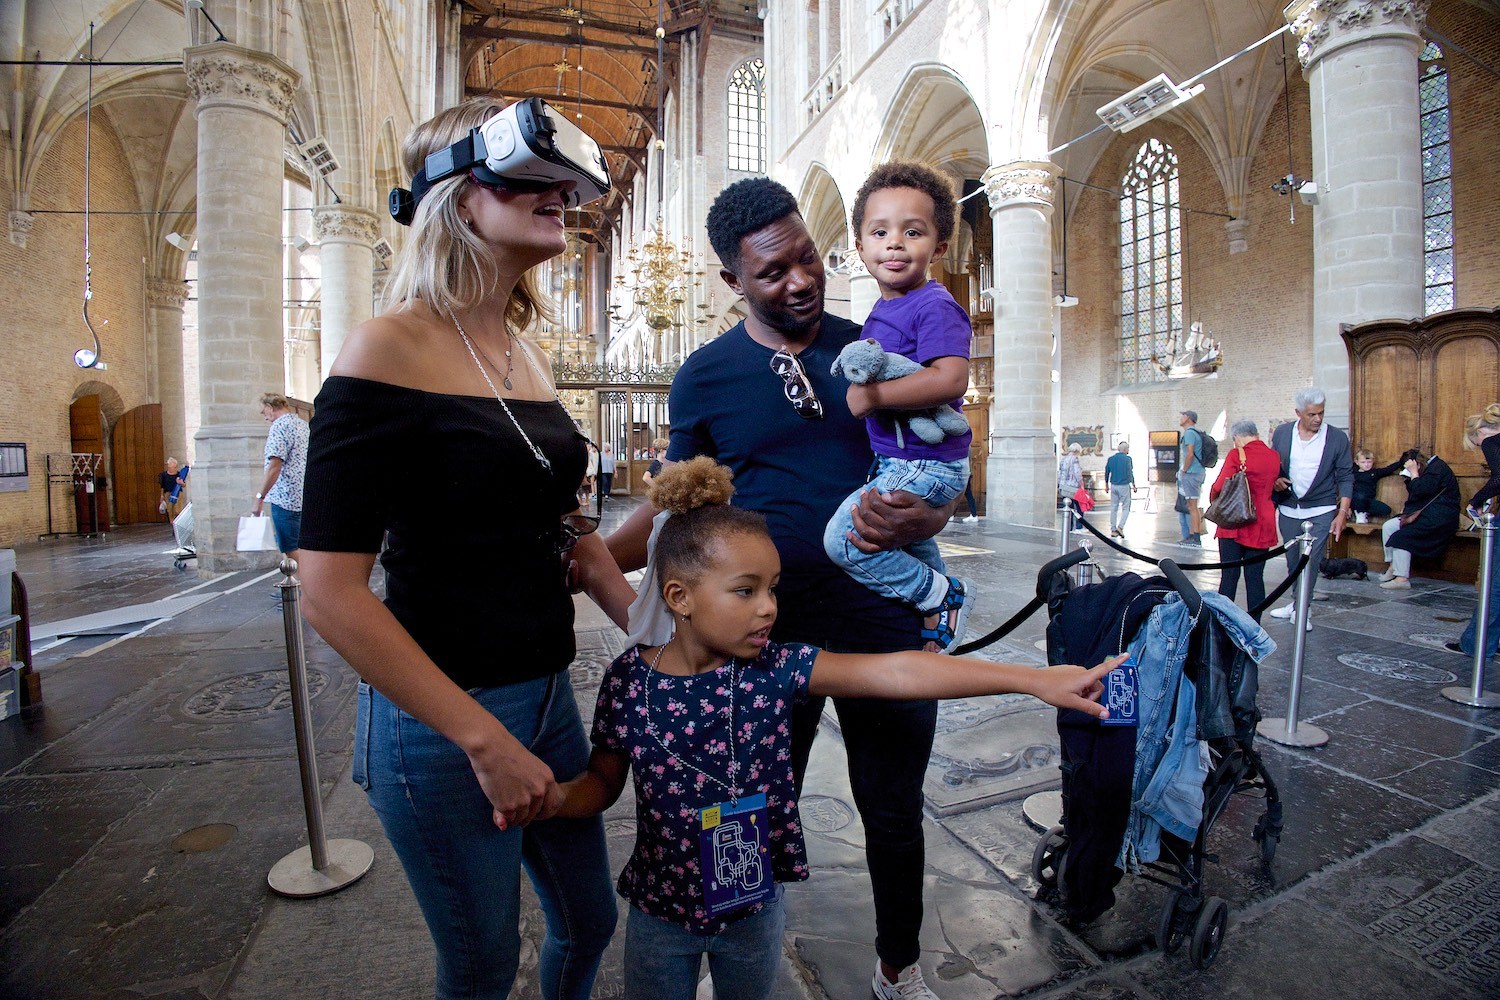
(684, 486)
(1492, 413)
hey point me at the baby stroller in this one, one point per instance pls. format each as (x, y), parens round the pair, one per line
(1077, 859)
(182, 529)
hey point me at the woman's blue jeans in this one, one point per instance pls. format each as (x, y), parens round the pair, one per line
(464, 871)
(662, 959)
(1492, 636)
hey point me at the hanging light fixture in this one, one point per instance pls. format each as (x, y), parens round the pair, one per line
(663, 274)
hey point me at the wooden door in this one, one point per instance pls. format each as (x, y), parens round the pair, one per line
(86, 426)
(138, 459)
(979, 451)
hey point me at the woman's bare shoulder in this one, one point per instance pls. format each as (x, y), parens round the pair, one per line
(393, 347)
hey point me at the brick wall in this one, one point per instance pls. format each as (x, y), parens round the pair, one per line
(42, 325)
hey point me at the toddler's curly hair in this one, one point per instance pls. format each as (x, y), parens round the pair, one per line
(697, 494)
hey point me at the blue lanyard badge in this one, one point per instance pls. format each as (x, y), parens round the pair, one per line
(736, 858)
(1122, 695)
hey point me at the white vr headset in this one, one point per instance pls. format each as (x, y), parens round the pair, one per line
(528, 147)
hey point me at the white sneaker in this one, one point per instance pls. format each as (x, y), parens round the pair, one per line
(971, 518)
(1387, 576)
(908, 985)
(1284, 612)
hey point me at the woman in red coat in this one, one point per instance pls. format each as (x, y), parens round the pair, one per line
(1262, 466)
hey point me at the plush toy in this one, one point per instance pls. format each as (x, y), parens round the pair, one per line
(864, 361)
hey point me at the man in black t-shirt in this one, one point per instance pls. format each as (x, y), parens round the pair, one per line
(794, 460)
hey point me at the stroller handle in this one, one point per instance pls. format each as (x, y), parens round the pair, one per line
(1184, 586)
(1062, 562)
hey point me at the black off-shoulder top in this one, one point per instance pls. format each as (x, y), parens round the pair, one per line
(471, 566)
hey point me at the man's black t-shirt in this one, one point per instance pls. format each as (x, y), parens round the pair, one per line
(727, 403)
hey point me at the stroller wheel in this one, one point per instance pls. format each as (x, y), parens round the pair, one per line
(1169, 935)
(1208, 935)
(1050, 858)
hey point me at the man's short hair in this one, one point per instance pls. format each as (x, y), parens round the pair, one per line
(745, 207)
(1122, 446)
(933, 183)
(1311, 396)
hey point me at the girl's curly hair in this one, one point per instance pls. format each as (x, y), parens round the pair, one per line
(697, 493)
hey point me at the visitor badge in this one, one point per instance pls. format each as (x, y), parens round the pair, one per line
(736, 857)
(1122, 695)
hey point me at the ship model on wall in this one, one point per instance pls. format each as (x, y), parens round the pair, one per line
(1196, 355)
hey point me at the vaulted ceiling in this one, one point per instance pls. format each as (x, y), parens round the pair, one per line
(596, 59)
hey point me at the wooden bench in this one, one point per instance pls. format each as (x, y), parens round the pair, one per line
(1460, 564)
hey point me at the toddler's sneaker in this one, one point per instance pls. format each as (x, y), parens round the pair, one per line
(908, 985)
(952, 615)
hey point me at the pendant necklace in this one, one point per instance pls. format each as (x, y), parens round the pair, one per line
(501, 399)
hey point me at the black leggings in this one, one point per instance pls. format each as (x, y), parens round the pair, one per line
(1255, 574)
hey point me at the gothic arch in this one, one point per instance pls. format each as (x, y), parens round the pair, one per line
(933, 117)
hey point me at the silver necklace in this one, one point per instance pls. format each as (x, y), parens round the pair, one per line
(501, 399)
(653, 732)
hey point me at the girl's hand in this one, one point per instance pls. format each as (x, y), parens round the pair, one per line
(515, 781)
(1068, 686)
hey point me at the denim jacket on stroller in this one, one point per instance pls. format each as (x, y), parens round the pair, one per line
(1171, 762)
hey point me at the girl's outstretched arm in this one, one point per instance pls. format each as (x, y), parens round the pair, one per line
(593, 791)
(916, 675)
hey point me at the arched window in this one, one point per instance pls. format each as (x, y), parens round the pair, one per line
(1150, 260)
(747, 117)
(1437, 179)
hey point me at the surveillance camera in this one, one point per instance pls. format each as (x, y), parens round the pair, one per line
(1308, 192)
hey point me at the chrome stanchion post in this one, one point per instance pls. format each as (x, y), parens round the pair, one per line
(1476, 696)
(323, 866)
(1067, 528)
(1286, 731)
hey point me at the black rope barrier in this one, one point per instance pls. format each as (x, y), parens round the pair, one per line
(1004, 630)
(1281, 588)
(1265, 556)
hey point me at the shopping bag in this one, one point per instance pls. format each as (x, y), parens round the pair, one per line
(256, 535)
(1084, 499)
(1233, 507)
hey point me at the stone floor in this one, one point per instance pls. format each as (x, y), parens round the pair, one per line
(142, 807)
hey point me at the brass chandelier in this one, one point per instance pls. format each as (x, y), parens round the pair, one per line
(662, 278)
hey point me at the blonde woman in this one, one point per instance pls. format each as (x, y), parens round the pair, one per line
(466, 719)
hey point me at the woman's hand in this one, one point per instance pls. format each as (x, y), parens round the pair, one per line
(1069, 686)
(1412, 468)
(515, 781)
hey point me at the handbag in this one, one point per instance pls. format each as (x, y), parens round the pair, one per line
(256, 534)
(1233, 507)
(1180, 505)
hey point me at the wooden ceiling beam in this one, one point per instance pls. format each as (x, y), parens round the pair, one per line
(647, 112)
(563, 40)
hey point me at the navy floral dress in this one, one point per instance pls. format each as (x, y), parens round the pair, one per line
(679, 762)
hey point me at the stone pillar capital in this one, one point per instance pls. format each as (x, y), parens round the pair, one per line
(164, 293)
(342, 224)
(1325, 26)
(20, 226)
(1023, 182)
(222, 74)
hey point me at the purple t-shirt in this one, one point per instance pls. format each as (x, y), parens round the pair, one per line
(664, 876)
(922, 325)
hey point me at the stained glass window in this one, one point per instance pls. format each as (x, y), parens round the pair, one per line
(1437, 179)
(1150, 260)
(747, 117)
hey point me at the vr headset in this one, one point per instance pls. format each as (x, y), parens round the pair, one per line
(527, 148)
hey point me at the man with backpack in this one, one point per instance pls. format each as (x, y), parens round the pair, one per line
(1198, 453)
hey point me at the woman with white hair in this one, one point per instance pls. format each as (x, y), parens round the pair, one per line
(1261, 466)
(1069, 472)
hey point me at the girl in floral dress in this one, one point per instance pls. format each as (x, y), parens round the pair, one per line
(702, 721)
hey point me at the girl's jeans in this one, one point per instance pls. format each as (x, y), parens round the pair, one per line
(910, 574)
(465, 871)
(662, 959)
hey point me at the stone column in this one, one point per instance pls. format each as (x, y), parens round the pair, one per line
(345, 236)
(166, 299)
(1021, 477)
(244, 99)
(1360, 60)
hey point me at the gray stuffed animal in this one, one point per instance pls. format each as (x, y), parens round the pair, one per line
(864, 361)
